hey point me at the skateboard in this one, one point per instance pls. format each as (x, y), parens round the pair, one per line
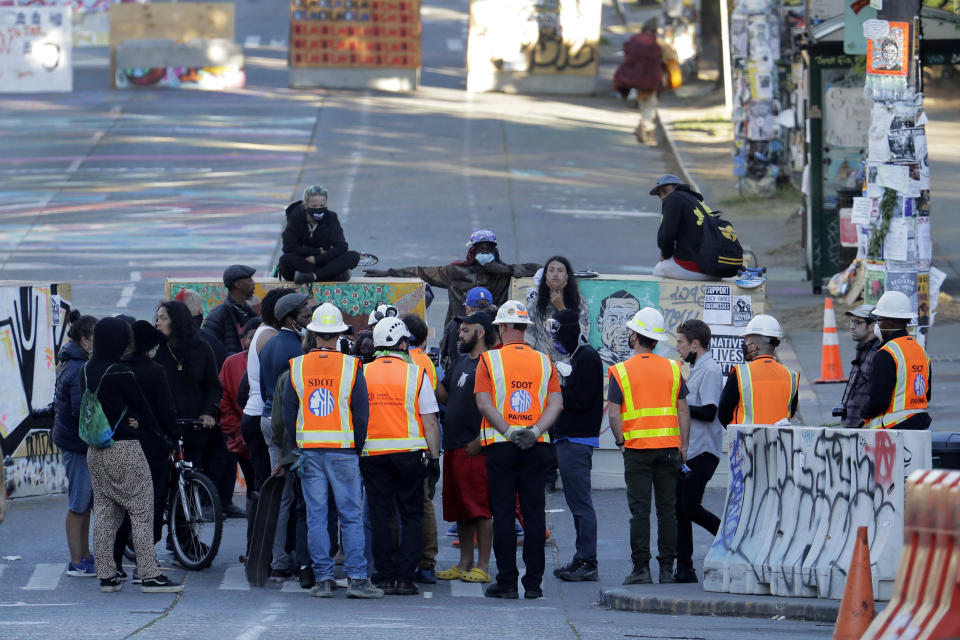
(751, 277)
(264, 529)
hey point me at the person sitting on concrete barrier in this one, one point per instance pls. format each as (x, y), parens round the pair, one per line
(900, 386)
(857, 393)
(221, 327)
(482, 268)
(760, 391)
(650, 422)
(314, 247)
(706, 435)
(681, 230)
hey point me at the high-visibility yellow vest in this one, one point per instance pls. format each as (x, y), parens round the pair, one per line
(422, 360)
(913, 379)
(323, 380)
(393, 386)
(766, 391)
(520, 375)
(650, 384)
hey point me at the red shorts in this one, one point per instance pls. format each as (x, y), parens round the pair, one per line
(465, 492)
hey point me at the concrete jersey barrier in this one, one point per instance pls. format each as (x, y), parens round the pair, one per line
(795, 499)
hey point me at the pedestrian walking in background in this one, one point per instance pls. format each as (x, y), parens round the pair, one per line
(575, 435)
(556, 291)
(650, 423)
(191, 370)
(327, 418)
(481, 268)
(66, 435)
(119, 472)
(857, 392)
(644, 57)
(224, 322)
(519, 396)
(761, 390)
(466, 494)
(401, 451)
(706, 438)
(314, 247)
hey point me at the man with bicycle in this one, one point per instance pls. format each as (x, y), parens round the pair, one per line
(327, 418)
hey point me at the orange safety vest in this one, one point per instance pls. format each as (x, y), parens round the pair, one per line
(395, 424)
(913, 379)
(520, 375)
(767, 389)
(650, 384)
(422, 360)
(324, 381)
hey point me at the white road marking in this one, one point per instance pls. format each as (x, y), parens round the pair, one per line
(292, 586)
(454, 44)
(39, 604)
(125, 295)
(555, 511)
(356, 156)
(135, 277)
(272, 612)
(605, 213)
(460, 589)
(279, 44)
(235, 579)
(251, 41)
(45, 577)
(3, 568)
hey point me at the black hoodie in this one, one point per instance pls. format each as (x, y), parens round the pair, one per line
(119, 390)
(325, 243)
(681, 229)
(583, 388)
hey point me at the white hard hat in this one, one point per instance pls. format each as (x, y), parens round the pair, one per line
(382, 311)
(327, 318)
(764, 325)
(648, 322)
(513, 312)
(894, 304)
(388, 332)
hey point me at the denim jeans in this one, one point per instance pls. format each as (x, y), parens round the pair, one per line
(337, 470)
(575, 461)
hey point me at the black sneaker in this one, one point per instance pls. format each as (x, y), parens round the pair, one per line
(639, 575)
(685, 576)
(405, 588)
(533, 594)
(426, 576)
(574, 564)
(233, 511)
(160, 584)
(389, 587)
(585, 571)
(306, 578)
(110, 585)
(497, 590)
(303, 277)
(666, 576)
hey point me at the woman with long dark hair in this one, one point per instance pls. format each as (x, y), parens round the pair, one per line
(66, 435)
(191, 371)
(556, 291)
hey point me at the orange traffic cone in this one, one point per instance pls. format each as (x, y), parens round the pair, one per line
(831, 369)
(856, 608)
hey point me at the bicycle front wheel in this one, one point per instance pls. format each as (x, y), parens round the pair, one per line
(196, 518)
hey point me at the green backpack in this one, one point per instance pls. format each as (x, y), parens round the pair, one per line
(95, 428)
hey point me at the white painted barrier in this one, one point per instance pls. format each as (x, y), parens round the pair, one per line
(795, 498)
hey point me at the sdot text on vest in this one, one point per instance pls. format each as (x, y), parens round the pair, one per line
(321, 382)
(517, 384)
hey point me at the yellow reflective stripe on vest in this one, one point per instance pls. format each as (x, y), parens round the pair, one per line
(296, 380)
(651, 433)
(411, 390)
(625, 389)
(629, 411)
(745, 384)
(900, 412)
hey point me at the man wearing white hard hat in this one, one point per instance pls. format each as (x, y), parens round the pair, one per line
(402, 449)
(900, 386)
(519, 396)
(760, 391)
(327, 418)
(650, 422)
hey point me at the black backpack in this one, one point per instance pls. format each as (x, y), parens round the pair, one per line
(721, 254)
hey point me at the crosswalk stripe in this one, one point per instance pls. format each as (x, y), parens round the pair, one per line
(234, 579)
(3, 568)
(460, 589)
(45, 577)
(293, 586)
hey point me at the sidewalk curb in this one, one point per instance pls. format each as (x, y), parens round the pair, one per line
(684, 173)
(815, 611)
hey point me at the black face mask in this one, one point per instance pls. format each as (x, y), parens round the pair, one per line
(316, 212)
(691, 357)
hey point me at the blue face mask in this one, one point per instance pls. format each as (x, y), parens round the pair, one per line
(560, 348)
(484, 258)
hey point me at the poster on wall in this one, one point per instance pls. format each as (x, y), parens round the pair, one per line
(726, 346)
(35, 49)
